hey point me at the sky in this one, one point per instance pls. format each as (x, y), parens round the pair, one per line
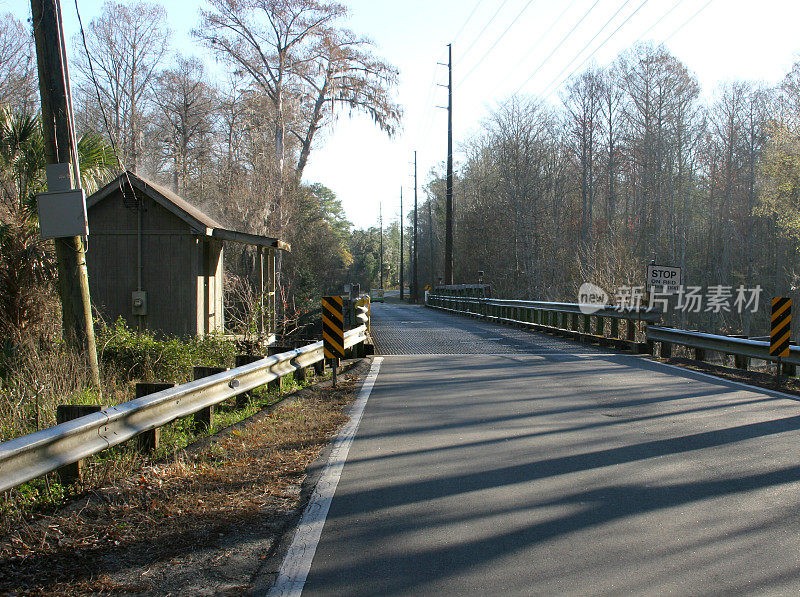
(500, 47)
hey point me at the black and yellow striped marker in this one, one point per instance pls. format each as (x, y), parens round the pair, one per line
(333, 327)
(781, 329)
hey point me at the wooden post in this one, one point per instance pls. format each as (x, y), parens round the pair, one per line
(631, 330)
(69, 473)
(614, 328)
(240, 360)
(204, 418)
(148, 441)
(276, 385)
(60, 147)
(260, 295)
(666, 350)
(334, 367)
(699, 354)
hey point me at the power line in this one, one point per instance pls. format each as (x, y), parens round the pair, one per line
(538, 42)
(564, 39)
(549, 92)
(474, 8)
(428, 114)
(686, 22)
(638, 39)
(586, 47)
(489, 22)
(497, 41)
(654, 25)
(587, 44)
(103, 112)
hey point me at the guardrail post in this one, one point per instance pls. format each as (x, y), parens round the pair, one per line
(630, 330)
(789, 369)
(239, 361)
(587, 324)
(148, 441)
(740, 361)
(204, 417)
(69, 473)
(666, 350)
(614, 333)
(276, 385)
(699, 354)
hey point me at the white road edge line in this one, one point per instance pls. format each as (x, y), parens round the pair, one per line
(295, 567)
(746, 386)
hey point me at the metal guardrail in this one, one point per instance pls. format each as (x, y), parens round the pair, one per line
(564, 318)
(745, 347)
(567, 319)
(485, 307)
(30, 456)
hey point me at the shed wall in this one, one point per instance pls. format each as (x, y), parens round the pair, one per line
(168, 275)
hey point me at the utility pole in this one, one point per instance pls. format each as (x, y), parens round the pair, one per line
(415, 279)
(380, 219)
(402, 292)
(61, 148)
(448, 236)
(432, 273)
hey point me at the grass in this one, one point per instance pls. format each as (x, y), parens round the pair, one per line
(176, 507)
(30, 392)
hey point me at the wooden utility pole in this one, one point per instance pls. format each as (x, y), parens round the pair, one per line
(380, 219)
(415, 279)
(61, 148)
(448, 235)
(432, 272)
(402, 281)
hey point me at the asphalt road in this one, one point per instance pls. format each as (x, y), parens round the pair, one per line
(518, 464)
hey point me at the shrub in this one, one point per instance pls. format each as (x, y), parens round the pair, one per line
(142, 356)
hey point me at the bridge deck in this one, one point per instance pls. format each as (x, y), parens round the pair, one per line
(546, 467)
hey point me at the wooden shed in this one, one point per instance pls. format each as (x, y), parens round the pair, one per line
(157, 261)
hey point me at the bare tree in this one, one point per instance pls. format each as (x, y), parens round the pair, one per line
(271, 41)
(17, 66)
(295, 55)
(127, 44)
(346, 74)
(583, 104)
(185, 104)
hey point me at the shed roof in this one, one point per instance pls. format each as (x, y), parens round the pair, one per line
(201, 222)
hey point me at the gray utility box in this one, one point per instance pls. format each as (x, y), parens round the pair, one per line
(62, 214)
(139, 302)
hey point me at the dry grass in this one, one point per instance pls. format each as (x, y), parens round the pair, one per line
(249, 476)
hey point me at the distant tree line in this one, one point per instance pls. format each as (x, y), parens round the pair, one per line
(631, 166)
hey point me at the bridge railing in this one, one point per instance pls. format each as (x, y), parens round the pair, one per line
(742, 349)
(27, 457)
(602, 327)
(586, 323)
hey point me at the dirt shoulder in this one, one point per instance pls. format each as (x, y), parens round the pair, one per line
(201, 523)
(759, 379)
